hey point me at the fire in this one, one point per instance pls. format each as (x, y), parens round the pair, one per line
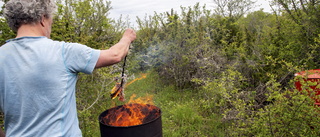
(143, 75)
(118, 89)
(137, 111)
(148, 99)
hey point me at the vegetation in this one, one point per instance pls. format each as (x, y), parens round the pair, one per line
(213, 72)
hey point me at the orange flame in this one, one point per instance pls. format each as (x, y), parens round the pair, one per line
(143, 75)
(136, 112)
(148, 99)
(117, 90)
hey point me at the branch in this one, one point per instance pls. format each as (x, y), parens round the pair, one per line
(98, 95)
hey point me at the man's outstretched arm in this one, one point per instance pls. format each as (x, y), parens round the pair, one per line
(117, 52)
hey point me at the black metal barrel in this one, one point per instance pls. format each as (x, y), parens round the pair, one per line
(151, 127)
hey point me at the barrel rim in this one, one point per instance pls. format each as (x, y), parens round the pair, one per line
(101, 117)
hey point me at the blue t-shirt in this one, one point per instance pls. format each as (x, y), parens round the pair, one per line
(37, 85)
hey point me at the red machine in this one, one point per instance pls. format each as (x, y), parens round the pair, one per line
(310, 76)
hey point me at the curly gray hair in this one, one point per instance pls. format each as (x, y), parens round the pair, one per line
(18, 12)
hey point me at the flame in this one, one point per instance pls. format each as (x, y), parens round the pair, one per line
(117, 90)
(136, 112)
(143, 76)
(148, 99)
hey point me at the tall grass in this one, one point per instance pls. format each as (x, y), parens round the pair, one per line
(216, 111)
(183, 112)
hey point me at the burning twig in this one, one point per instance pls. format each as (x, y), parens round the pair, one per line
(118, 90)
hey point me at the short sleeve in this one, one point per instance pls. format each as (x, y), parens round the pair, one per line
(79, 58)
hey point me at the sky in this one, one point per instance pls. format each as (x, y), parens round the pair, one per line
(141, 8)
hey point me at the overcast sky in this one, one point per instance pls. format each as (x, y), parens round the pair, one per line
(141, 8)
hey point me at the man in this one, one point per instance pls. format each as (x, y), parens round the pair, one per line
(38, 75)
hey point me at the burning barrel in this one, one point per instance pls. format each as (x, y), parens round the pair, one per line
(131, 120)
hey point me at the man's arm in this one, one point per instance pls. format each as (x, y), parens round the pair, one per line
(118, 51)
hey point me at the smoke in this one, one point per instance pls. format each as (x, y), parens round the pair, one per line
(155, 55)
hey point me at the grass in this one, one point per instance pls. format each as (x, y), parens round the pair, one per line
(184, 113)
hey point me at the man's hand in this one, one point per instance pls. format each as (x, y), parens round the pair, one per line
(118, 51)
(130, 34)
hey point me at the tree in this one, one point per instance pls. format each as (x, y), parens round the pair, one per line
(86, 22)
(305, 13)
(5, 32)
(233, 8)
(303, 16)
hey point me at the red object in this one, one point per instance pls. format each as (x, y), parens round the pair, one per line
(312, 76)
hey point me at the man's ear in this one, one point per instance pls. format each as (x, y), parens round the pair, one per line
(42, 20)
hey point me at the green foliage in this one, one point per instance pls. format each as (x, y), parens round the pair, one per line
(184, 113)
(179, 47)
(287, 113)
(86, 22)
(211, 74)
(186, 119)
(262, 50)
(93, 98)
(233, 8)
(5, 33)
(291, 114)
(1, 121)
